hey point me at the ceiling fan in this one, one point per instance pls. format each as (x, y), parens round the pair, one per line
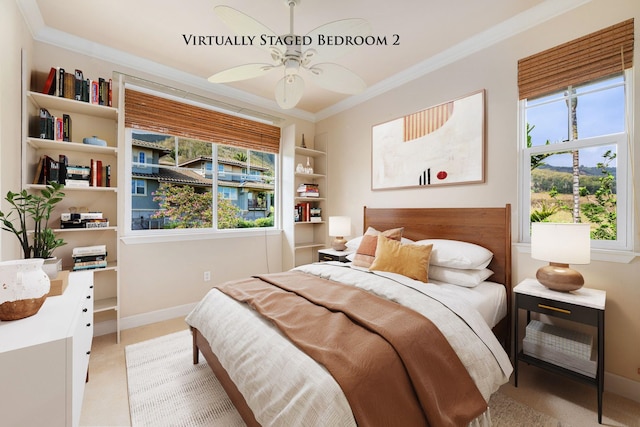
(287, 53)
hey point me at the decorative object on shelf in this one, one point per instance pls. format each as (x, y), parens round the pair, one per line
(561, 244)
(38, 208)
(24, 288)
(94, 140)
(303, 145)
(308, 169)
(440, 145)
(300, 168)
(339, 226)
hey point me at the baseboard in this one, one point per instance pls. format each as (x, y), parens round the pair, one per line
(109, 326)
(622, 386)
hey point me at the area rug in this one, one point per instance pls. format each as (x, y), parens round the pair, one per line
(167, 389)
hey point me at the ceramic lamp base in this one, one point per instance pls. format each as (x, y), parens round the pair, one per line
(559, 277)
(339, 243)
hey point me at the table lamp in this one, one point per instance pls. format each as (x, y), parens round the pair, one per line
(560, 244)
(339, 226)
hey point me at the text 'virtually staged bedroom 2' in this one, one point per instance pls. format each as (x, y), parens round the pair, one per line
(319, 213)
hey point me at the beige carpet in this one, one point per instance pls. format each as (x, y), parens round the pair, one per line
(166, 389)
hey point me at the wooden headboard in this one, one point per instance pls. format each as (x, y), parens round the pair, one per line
(487, 227)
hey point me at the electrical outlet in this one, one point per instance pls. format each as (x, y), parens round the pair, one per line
(207, 276)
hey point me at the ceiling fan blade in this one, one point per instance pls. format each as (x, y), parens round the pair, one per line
(289, 90)
(336, 78)
(241, 72)
(345, 28)
(244, 25)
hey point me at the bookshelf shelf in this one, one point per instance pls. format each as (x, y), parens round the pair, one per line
(72, 106)
(62, 146)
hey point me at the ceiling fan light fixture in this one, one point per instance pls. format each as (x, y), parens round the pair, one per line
(289, 90)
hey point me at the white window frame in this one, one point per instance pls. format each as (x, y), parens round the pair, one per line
(624, 183)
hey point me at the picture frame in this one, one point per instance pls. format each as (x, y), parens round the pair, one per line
(440, 145)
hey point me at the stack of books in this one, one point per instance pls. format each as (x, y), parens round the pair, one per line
(308, 190)
(83, 220)
(89, 257)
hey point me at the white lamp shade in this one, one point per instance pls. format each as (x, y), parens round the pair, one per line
(339, 226)
(562, 243)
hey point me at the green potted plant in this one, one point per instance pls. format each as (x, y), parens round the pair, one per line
(25, 283)
(37, 208)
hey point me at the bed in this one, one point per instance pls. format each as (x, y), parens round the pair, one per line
(247, 352)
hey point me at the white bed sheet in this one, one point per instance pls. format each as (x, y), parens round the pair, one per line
(489, 298)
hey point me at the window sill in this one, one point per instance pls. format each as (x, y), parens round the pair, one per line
(622, 257)
(192, 235)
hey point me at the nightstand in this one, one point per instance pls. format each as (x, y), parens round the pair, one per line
(329, 254)
(584, 306)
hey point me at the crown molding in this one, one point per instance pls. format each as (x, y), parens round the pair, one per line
(528, 19)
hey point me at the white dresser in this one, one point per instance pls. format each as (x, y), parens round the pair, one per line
(44, 359)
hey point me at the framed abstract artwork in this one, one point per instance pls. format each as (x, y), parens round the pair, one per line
(440, 145)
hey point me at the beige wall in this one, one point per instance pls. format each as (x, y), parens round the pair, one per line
(493, 69)
(14, 36)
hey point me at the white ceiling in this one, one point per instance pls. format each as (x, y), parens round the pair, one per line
(148, 35)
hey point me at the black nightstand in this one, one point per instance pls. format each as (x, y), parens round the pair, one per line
(584, 306)
(329, 254)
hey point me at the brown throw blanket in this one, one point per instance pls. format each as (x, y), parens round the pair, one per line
(394, 366)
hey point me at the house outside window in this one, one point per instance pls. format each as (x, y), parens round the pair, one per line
(178, 185)
(575, 157)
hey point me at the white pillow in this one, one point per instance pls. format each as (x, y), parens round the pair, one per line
(354, 243)
(457, 254)
(456, 276)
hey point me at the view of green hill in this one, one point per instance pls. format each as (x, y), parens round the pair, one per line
(546, 177)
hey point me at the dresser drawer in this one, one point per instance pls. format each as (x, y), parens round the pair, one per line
(558, 309)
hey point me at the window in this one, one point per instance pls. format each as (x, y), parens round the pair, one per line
(576, 157)
(574, 149)
(172, 184)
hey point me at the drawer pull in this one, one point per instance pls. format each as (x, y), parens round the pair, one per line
(84, 310)
(88, 296)
(88, 324)
(89, 352)
(548, 307)
(327, 258)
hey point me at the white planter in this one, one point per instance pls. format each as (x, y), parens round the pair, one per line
(23, 288)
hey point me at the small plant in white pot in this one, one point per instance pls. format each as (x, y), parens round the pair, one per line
(21, 290)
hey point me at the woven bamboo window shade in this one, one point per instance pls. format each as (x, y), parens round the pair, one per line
(162, 115)
(587, 58)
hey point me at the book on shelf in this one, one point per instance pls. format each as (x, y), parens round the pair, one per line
(308, 190)
(68, 216)
(83, 251)
(96, 173)
(107, 176)
(305, 212)
(79, 75)
(84, 223)
(50, 84)
(63, 162)
(89, 265)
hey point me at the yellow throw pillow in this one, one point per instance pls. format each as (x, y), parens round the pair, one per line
(366, 252)
(406, 259)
